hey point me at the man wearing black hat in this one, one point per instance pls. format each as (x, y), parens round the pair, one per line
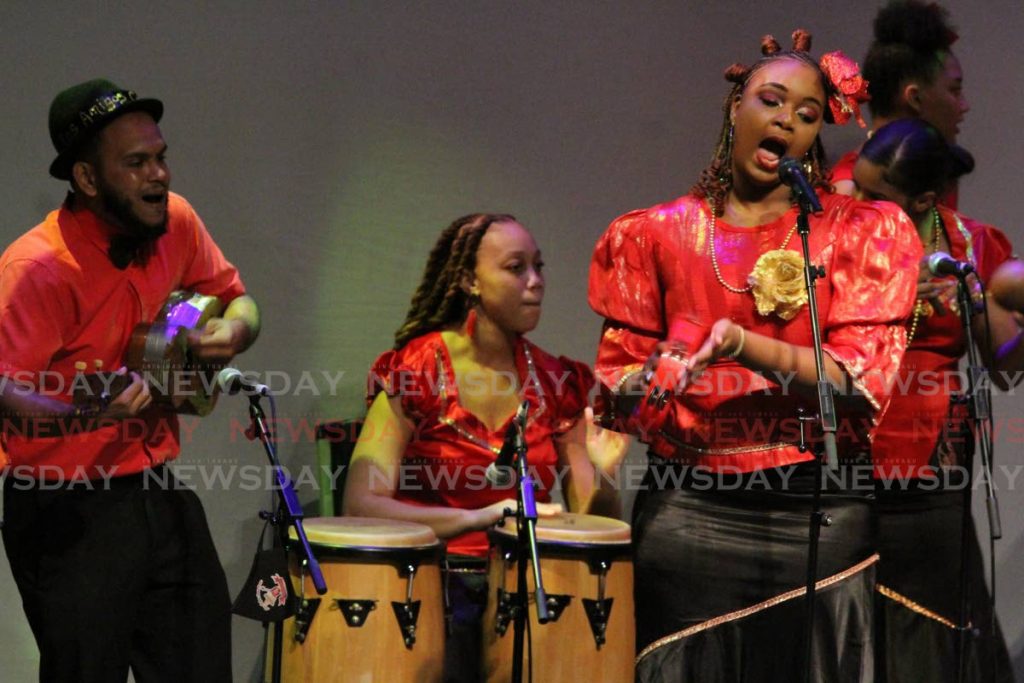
(114, 563)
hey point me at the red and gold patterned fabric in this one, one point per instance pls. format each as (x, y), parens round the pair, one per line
(445, 461)
(652, 272)
(906, 443)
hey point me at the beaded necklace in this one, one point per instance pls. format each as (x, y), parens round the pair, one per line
(714, 258)
(920, 303)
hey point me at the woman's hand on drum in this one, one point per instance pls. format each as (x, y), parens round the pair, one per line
(605, 448)
(495, 512)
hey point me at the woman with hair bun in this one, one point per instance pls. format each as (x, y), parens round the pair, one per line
(912, 72)
(923, 444)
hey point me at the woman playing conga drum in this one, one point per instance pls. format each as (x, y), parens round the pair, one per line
(442, 400)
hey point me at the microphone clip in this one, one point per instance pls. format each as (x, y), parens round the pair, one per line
(501, 472)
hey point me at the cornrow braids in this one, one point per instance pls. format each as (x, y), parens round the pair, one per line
(716, 178)
(912, 40)
(439, 300)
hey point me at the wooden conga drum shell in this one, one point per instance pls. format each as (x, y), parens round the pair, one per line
(571, 548)
(363, 560)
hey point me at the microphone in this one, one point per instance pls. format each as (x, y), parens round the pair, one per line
(232, 381)
(940, 263)
(790, 173)
(500, 471)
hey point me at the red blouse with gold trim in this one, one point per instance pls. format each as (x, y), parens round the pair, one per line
(907, 442)
(652, 272)
(445, 461)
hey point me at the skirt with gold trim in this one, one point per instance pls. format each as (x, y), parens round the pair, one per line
(918, 594)
(720, 582)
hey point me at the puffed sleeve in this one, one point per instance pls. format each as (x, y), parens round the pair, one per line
(874, 281)
(992, 248)
(625, 290)
(572, 394)
(408, 374)
(843, 169)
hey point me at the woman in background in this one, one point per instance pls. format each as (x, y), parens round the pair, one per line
(924, 436)
(912, 72)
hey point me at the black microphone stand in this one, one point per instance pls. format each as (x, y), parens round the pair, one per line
(289, 513)
(526, 550)
(980, 415)
(828, 421)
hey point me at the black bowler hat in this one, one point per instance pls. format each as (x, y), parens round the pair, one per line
(82, 110)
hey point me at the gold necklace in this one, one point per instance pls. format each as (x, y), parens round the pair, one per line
(714, 258)
(920, 303)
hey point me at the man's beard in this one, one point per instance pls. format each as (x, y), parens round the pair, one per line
(135, 239)
(120, 207)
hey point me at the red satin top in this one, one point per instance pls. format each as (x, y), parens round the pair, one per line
(906, 441)
(445, 461)
(652, 272)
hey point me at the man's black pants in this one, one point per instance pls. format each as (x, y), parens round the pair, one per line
(119, 573)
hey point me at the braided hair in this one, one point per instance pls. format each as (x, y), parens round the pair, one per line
(440, 300)
(716, 179)
(912, 41)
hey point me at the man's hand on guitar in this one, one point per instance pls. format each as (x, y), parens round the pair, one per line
(219, 340)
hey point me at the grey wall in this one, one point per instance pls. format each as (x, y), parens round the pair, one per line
(327, 143)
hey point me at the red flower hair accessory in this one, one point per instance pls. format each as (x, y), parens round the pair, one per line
(850, 87)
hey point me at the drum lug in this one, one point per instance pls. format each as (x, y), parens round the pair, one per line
(507, 609)
(304, 617)
(557, 604)
(407, 613)
(505, 612)
(356, 612)
(598, 612)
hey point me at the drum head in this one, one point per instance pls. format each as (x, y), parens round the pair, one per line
(365, 532)
(575, 528)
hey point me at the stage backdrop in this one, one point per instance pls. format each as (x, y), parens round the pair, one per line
(327, 143)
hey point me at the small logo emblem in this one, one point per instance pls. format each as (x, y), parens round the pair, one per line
(276, 596)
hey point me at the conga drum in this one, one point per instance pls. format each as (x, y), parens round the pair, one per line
(587, 570)
(382, 618)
